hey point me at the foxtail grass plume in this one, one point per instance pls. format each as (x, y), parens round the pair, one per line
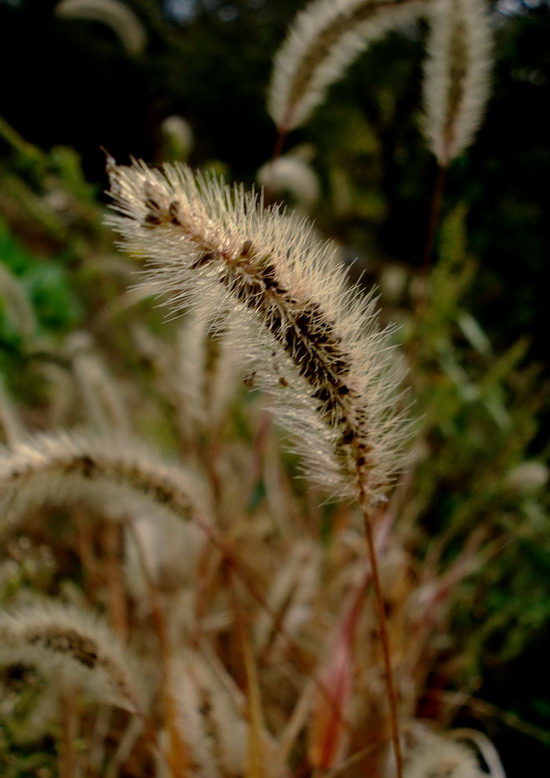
(323, 40)
(436, 755)
(58, 638)
(311, 342)
(115, 14)
(291, 175)
(177, 136)
(55, 468)
(456, 76)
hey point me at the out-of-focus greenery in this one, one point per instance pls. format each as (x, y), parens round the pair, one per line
(474, 340)
(482, 412)
(47, 285)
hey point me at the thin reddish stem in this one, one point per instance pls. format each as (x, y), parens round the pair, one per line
(383, 633)
(277, 151)
(279, 144)
(435, 215)
(176, 756)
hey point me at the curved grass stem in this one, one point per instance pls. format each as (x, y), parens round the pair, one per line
(383, 633)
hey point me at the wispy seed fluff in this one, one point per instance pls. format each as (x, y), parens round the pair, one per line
(322, 41)
(313, 343)
(456, 76)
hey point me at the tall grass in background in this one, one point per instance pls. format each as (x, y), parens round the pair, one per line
(183, 595)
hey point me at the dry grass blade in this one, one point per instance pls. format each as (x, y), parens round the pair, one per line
(327, 732)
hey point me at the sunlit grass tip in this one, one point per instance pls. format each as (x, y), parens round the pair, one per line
(322, 41)
(313, 342)
(457, 75)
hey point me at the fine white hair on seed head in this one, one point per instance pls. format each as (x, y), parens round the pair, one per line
(314, 344)
(322, 41)
(456, 82)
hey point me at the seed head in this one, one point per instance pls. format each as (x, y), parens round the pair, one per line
(313, 342)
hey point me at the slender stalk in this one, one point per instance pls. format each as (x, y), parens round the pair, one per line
(277, 152)
(254, 717)
(176, 757)
(435, 216)
(233, 564)
(383, 632)
(86, 553)
(279, 144)
(68, 765)
(117, 605)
